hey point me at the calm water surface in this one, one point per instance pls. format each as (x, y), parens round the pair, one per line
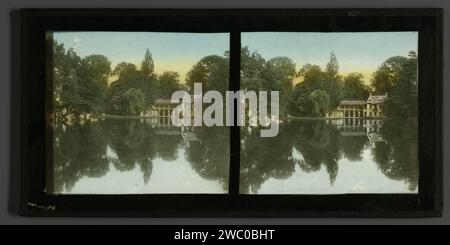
(127, 156)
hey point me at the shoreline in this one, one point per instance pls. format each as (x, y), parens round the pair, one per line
(106, 116)
(288, 118)
(333, 118)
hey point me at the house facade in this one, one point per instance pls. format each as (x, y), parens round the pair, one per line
(162, 108)
(370, 108)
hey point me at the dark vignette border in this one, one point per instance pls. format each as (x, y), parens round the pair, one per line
(35, 103)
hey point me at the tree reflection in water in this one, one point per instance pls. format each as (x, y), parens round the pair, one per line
(398, 159)
(322, 145)
(87, 150)
(90, 150)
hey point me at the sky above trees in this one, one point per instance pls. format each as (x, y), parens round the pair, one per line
(358, 52)
(170, 51)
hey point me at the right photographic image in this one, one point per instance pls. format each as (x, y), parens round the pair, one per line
(348, 113)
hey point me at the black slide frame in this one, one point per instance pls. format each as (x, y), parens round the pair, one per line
(35, 92)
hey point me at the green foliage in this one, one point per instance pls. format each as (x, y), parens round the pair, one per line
(397, 76)
(279, 75)
(312, 74)
(332, 67)
(385, 78)
(276, 74)
(79, 84)
(404, 99)
(319, 102)
(313, 81)
(65, 78)
(212, 72)
(298, 101)
(252, 67)
(93, 76)
(126, 71)
(131, 81)
(353, 87)
(147, 65)
(333, 78)
(168, 83)
(135, 100)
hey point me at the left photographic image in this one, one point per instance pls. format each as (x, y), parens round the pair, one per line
(110, 113)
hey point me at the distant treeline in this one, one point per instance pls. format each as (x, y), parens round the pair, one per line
(320, 91)
(82, 85)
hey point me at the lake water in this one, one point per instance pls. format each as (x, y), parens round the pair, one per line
(139, 156)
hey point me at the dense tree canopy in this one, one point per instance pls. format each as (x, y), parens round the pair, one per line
(212, 72)
(354, 88)
(313, 79)
(386, 77)
(404, 97)
(276, 74)
(319, 102)
(80, 84)
(168, 83)
(88, 85)
(131, 82)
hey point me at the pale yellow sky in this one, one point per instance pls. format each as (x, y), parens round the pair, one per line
(366, 71)
(356, 52)
(361, 52)
(182, 66)
(170, 51)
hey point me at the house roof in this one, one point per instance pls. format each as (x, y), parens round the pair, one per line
(373, 99)
(168, 101)
(376, 99)
(162, 101)
(352, 102)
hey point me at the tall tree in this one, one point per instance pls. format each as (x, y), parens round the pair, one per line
(147, 64)
(332, 75)
(332, 67)
(150, 78)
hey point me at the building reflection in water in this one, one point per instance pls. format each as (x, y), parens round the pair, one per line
(331, 157)
(150, 155)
